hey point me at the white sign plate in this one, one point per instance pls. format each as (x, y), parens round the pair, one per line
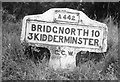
(64, 35)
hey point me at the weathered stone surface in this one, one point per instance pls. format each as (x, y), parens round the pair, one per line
(64, 56)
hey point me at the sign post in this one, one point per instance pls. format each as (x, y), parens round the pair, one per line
(64, 32)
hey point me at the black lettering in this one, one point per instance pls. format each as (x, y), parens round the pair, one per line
(92, 33)
(70, 53)
(96, 42)
(69, 17)
(30, 36)
(33, 27)
(55, 31)
(50, 38)
(85, 32)
(85, 40)
(61, 39)
(57, 52)
(73, 31)
(39, 28)
(59, 17)
(75, 40)
(61, 30)
(79, 31)
(43, 28)
(90, 41)
(80, 41)
(41, 36)
(44, 37)
(97, 33)
(67, 30)
(70, 40)
(63, 52)
(36, 36)
(55, 38)
(48, 29)
(66, 40)
(64, 16)
(73, 17)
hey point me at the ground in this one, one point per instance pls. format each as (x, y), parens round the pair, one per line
(17, 66)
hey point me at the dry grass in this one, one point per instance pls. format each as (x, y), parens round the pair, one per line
(16, 66)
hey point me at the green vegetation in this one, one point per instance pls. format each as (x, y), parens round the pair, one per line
(17, 66)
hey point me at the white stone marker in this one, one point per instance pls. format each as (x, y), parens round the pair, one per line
(64, 32)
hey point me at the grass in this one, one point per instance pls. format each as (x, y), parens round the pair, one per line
(16, 66)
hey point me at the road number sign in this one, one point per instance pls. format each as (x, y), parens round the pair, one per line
(66, 16)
